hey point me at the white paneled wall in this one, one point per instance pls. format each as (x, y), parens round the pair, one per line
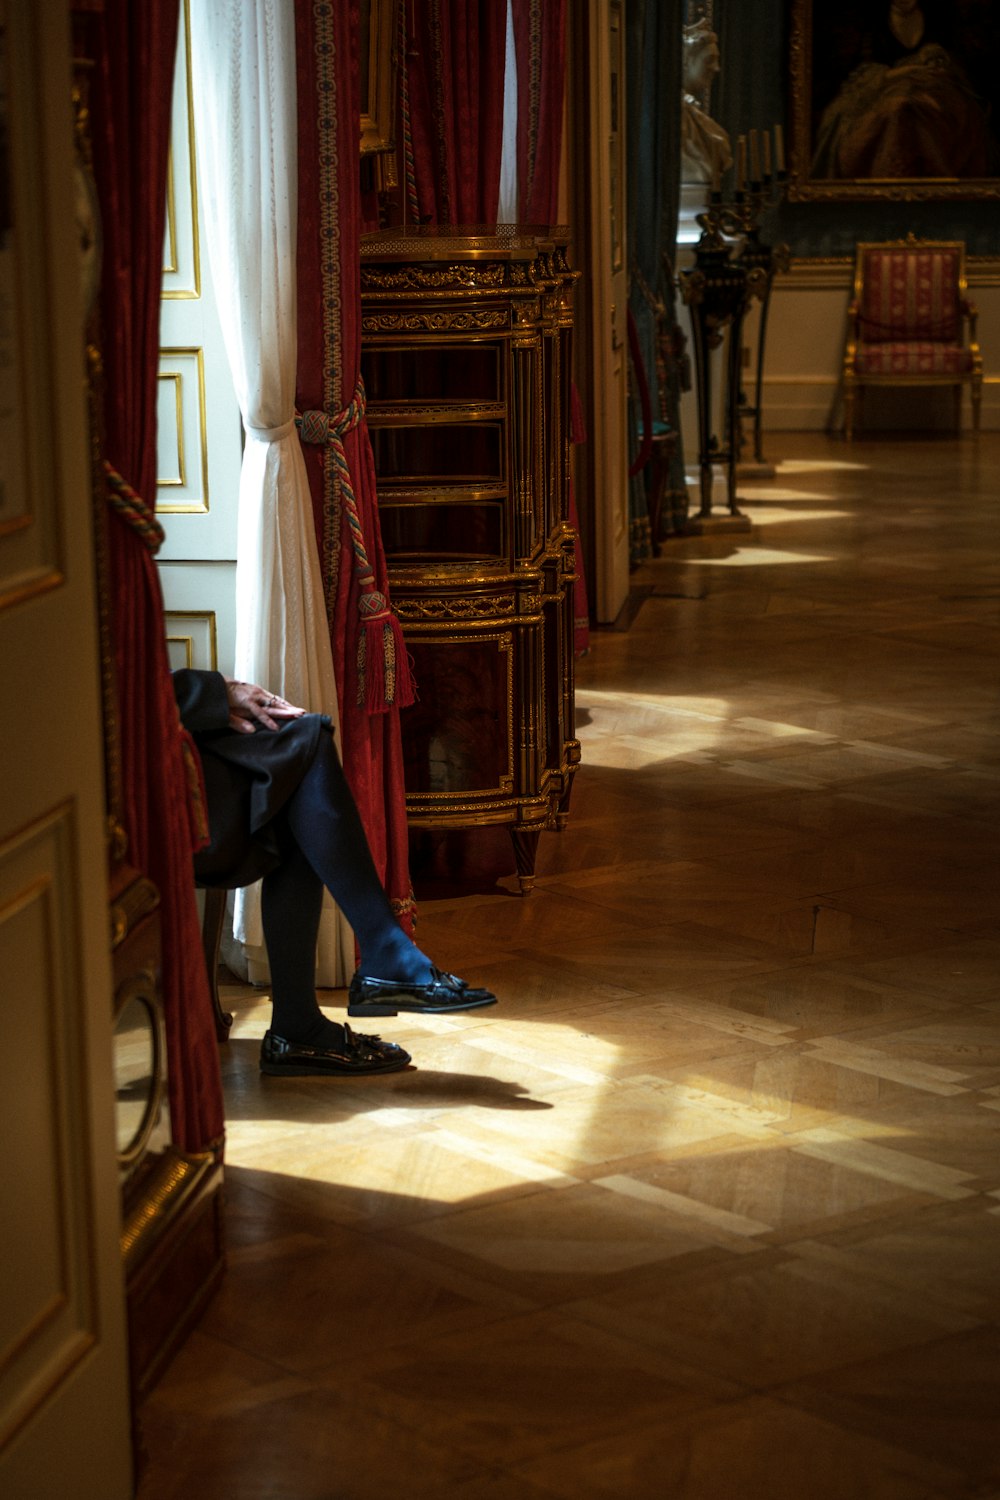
(199, 436)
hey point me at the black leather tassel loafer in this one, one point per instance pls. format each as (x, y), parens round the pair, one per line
(355, 1058)
(387, 997)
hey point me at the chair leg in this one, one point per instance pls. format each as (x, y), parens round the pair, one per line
(211, 936)
(849, 394)
(977, 401)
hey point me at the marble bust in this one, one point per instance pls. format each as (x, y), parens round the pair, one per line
(705, 149)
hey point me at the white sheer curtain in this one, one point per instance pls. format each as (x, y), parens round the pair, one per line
(507, 206)
(243, 69)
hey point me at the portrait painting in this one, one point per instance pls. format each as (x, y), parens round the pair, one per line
(895, 99)
(377, 28)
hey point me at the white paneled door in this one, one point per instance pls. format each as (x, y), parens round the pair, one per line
(64, 1408)
(199, 443)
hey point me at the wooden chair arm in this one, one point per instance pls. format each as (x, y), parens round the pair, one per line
(971, 311)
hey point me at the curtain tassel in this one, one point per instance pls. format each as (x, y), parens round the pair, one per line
(133, 510)
(384, 677)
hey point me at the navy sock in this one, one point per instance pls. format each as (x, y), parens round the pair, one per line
(291, 900)
(326, 826)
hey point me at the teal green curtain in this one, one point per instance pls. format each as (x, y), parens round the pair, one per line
(653, 126)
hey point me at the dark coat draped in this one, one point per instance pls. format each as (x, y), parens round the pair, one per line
(248, 780)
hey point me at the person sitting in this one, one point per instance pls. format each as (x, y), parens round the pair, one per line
(280, 810)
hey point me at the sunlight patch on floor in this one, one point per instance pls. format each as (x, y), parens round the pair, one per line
(711, 709)
(765, 512)
(616, 752)
(755, 557)
(630, 731)
(756, 491)
(816, 465)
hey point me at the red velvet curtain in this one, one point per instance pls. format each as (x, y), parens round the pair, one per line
(451, 126)
(133, 48)
(540, 43)
(329, 365)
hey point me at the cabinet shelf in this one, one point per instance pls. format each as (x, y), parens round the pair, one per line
(466, 360)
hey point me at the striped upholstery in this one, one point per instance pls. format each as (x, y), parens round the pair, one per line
(911, 322)
(913, 359)
(910, 294)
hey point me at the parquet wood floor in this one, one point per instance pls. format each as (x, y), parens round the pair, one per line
(709, 1207)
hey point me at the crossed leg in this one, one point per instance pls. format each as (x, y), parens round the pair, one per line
(326, 843)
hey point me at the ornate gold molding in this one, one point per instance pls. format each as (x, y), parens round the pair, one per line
(431, 492)
(390, 413)
(193, 292)
(505, 289)
(425, 242)
(195, 506)
(833, 272)
(172, 1179)
(435, 322)
(454, 608)
(134, 903)
(178, 380)
(208, 642)
(467, 276)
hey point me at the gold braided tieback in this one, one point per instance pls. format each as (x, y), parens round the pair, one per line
(384, 679)
(133, 510)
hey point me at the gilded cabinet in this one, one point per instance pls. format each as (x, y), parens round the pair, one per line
(466, 363)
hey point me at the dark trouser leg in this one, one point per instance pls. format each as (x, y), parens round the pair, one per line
(291, 900)
(324, 821)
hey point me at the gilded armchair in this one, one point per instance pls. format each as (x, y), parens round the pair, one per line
(911, 323)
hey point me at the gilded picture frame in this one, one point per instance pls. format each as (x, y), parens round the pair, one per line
(894, 99)
(378, 23)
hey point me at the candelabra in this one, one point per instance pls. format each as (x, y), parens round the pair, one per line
(716, 290)
(732, 265)
(768, 259)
